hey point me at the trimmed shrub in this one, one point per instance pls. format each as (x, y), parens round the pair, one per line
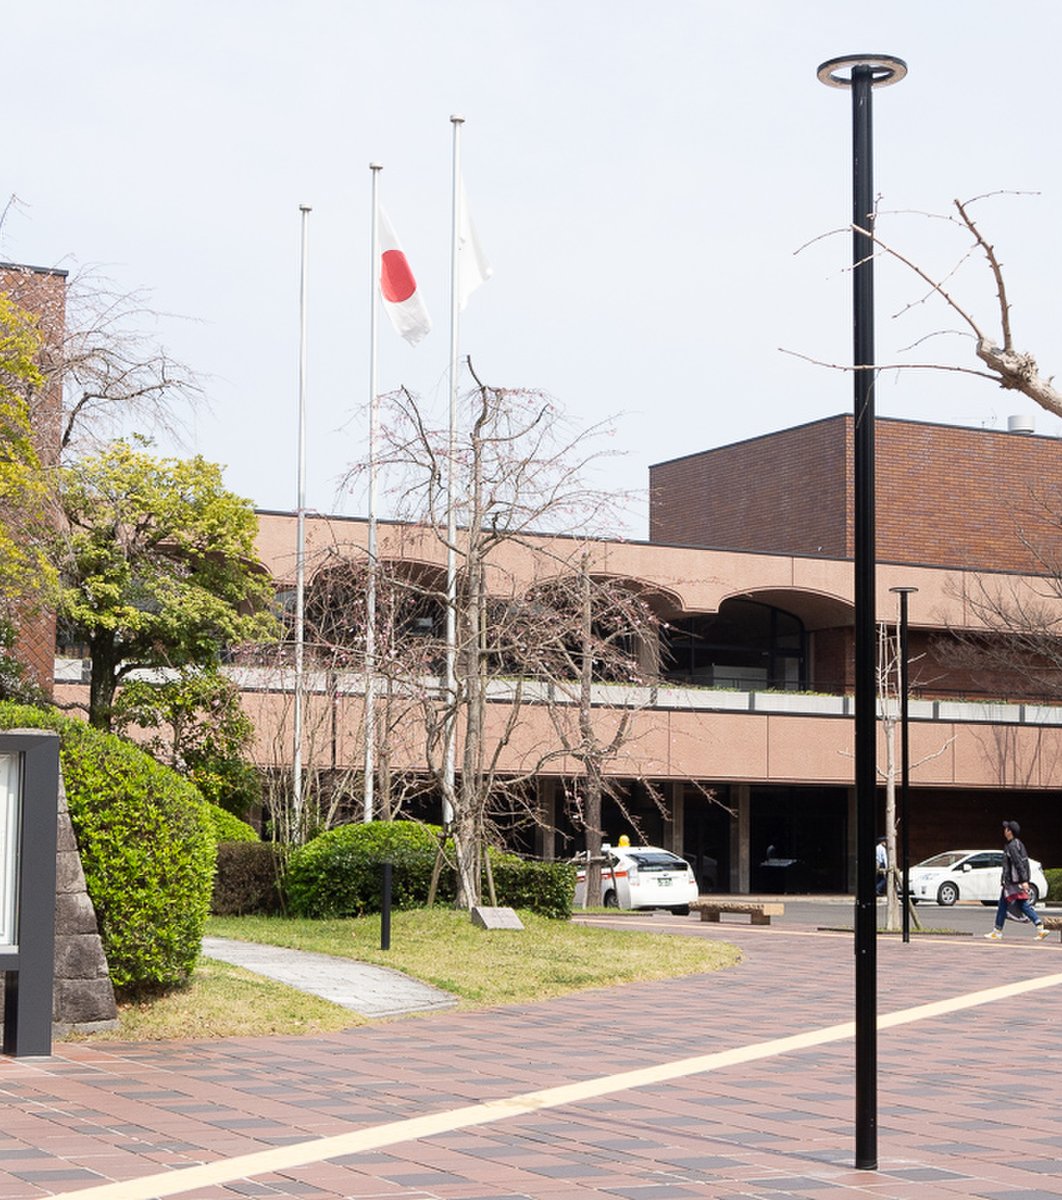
(547, 888)
(228, 827)
(1054, 883)
(146, 845)
(247, 879)
(339, 873)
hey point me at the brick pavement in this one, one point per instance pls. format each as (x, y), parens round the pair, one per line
(969, 1101)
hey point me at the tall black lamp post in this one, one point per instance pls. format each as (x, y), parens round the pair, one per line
(862, 73)
(905, 759)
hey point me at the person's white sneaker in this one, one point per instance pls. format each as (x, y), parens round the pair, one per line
(994, 936)
(1041, 933)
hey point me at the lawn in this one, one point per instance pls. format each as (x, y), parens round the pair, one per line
(437, 946)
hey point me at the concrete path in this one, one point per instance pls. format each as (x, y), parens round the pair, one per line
(369, 990)
(737, 1084)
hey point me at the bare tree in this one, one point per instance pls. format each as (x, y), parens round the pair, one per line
(890, 664)
(590, 632)
(1012, 644)
(333, 687)
(518, 472)
(101, 355)
(1007, 366)
(113, 370)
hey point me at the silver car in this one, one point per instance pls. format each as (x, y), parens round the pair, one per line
(967, 875)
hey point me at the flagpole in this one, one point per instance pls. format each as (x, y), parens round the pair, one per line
(451, 499)
(300, 537)
(370, 597)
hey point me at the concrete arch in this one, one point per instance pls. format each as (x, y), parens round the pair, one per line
(661, 599)
(816, 609)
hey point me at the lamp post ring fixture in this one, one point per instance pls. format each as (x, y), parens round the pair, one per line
(885, 69)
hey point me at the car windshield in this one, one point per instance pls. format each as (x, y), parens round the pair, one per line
(657, 860)
(948, 859)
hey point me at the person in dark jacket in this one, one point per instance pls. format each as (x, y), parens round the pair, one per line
(1014, 889)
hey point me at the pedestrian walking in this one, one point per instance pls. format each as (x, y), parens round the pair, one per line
(881, 859)
(1014, 886)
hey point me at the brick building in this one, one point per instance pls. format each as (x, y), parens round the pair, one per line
(946, 496)
(746, 729)
(41, 291)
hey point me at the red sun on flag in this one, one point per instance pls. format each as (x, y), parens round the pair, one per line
(396, 279)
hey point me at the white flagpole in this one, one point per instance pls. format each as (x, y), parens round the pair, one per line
(300, 539)
(451, 499)
(370, 596)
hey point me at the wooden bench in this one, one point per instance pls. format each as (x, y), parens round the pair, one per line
(1052, 923)
(759, 911)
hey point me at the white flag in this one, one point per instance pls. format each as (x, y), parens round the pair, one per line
(472, 265)
(398, 288)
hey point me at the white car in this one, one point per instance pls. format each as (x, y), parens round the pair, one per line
(641, 877)
(967, 875)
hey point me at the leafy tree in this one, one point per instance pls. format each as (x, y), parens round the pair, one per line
(25, 571)
(156, 560)
(194, 723)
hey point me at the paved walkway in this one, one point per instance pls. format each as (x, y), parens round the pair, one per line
(366, 989)
(735, 1084)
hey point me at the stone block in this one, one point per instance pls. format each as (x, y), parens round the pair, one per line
(83, 1002)
(496, 918)
(68, 874)
(74, 913)
(65, 841)
(79, 957)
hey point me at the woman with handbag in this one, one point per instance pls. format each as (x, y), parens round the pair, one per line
(1015, 884)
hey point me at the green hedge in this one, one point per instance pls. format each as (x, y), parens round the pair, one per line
(227, 827)
(547, 888)
(147, 848)
(339, 873)
(247, 879)
(1054, 883)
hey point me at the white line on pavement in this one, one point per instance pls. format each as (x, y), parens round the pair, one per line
(280, 1158)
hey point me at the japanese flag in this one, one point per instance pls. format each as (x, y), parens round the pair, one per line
(398, 288)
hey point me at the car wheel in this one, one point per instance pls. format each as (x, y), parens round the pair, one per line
(611, 900)
(1034, 894)
(681, 910)
(947, 894)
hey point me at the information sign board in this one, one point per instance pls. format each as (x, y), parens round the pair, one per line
(10, 840)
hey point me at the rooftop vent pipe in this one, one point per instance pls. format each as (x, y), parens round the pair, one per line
(1020, 424)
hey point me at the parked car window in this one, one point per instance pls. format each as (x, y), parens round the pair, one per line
(657, 861)
(948, 859)
(979, 862)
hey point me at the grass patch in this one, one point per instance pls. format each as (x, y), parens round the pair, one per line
(224, 1001)
(438, 946)
(442, 947)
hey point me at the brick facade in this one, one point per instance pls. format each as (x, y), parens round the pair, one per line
(43, 293)
(947, 496)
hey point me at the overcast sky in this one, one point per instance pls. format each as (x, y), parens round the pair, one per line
(641, 177)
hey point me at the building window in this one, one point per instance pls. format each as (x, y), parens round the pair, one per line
(745, 645)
